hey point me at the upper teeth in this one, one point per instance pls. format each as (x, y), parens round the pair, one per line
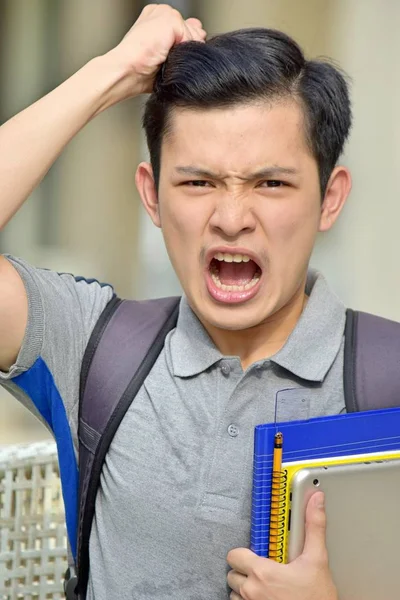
(231, 257)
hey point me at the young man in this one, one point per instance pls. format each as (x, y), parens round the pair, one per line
(244, 137)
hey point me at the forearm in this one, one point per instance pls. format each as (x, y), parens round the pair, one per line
(31, 141)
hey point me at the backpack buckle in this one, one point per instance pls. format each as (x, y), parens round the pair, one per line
(70, 584)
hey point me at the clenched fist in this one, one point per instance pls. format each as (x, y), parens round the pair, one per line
(146, 46)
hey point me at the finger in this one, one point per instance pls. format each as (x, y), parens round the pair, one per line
(187, 33)
(235, 596)
(193, 22)
(235, 580)
(315, 530)
(243, 560)
(197, 34)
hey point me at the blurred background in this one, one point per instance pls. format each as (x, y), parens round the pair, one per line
(86, 217)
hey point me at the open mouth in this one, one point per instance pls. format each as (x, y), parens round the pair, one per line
(233, 277)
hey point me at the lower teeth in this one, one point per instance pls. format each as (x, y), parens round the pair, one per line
(235, 288)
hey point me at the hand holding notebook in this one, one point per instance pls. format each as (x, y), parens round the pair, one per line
(306, 578)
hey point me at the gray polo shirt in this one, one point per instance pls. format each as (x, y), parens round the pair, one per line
(175, 491)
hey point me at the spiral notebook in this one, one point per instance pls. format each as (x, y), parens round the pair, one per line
(334, 439)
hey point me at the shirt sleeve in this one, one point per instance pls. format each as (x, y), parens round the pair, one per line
(62, 312)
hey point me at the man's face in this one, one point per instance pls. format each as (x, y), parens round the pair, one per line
(239, 206)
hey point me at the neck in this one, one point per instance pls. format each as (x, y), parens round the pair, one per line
(263, 340)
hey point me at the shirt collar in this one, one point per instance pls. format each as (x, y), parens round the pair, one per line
(308, 353)
(191, 348)
(314, 343)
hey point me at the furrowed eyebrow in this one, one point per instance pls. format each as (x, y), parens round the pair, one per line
(272, 172)
(267, 173)
(195, 172)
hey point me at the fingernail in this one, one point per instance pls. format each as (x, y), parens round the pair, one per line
(320, 501)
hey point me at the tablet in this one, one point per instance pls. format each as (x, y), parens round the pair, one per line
(363, 525)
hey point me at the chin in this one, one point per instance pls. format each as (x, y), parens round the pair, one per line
(234, 323)
(234, 317)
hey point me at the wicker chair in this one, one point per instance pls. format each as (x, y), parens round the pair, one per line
(33, 554)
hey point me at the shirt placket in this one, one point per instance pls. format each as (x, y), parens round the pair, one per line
(231, 452)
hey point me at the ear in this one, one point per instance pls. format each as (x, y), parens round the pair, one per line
(148, 192)
(337, 191)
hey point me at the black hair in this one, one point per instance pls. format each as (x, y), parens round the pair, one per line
(244, 66)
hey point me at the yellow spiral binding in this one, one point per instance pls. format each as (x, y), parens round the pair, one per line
(277, 515)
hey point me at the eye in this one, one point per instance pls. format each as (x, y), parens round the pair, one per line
(273, 183)
(197, 183)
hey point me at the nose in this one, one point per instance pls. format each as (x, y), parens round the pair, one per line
(233, 216)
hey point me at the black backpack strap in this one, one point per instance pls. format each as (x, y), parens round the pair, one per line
(371, 369)
(123, 348)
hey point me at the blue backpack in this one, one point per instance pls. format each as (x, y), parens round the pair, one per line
(128, 338)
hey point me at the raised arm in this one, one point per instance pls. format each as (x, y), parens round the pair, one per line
(32, 140)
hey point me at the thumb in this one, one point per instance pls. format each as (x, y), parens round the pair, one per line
(315, 530)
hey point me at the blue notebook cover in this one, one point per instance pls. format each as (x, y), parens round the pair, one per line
(338, 435)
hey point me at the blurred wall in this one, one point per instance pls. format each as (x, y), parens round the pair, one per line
(85, 217)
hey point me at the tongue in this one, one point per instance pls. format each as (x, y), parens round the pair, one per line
(236, 273)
